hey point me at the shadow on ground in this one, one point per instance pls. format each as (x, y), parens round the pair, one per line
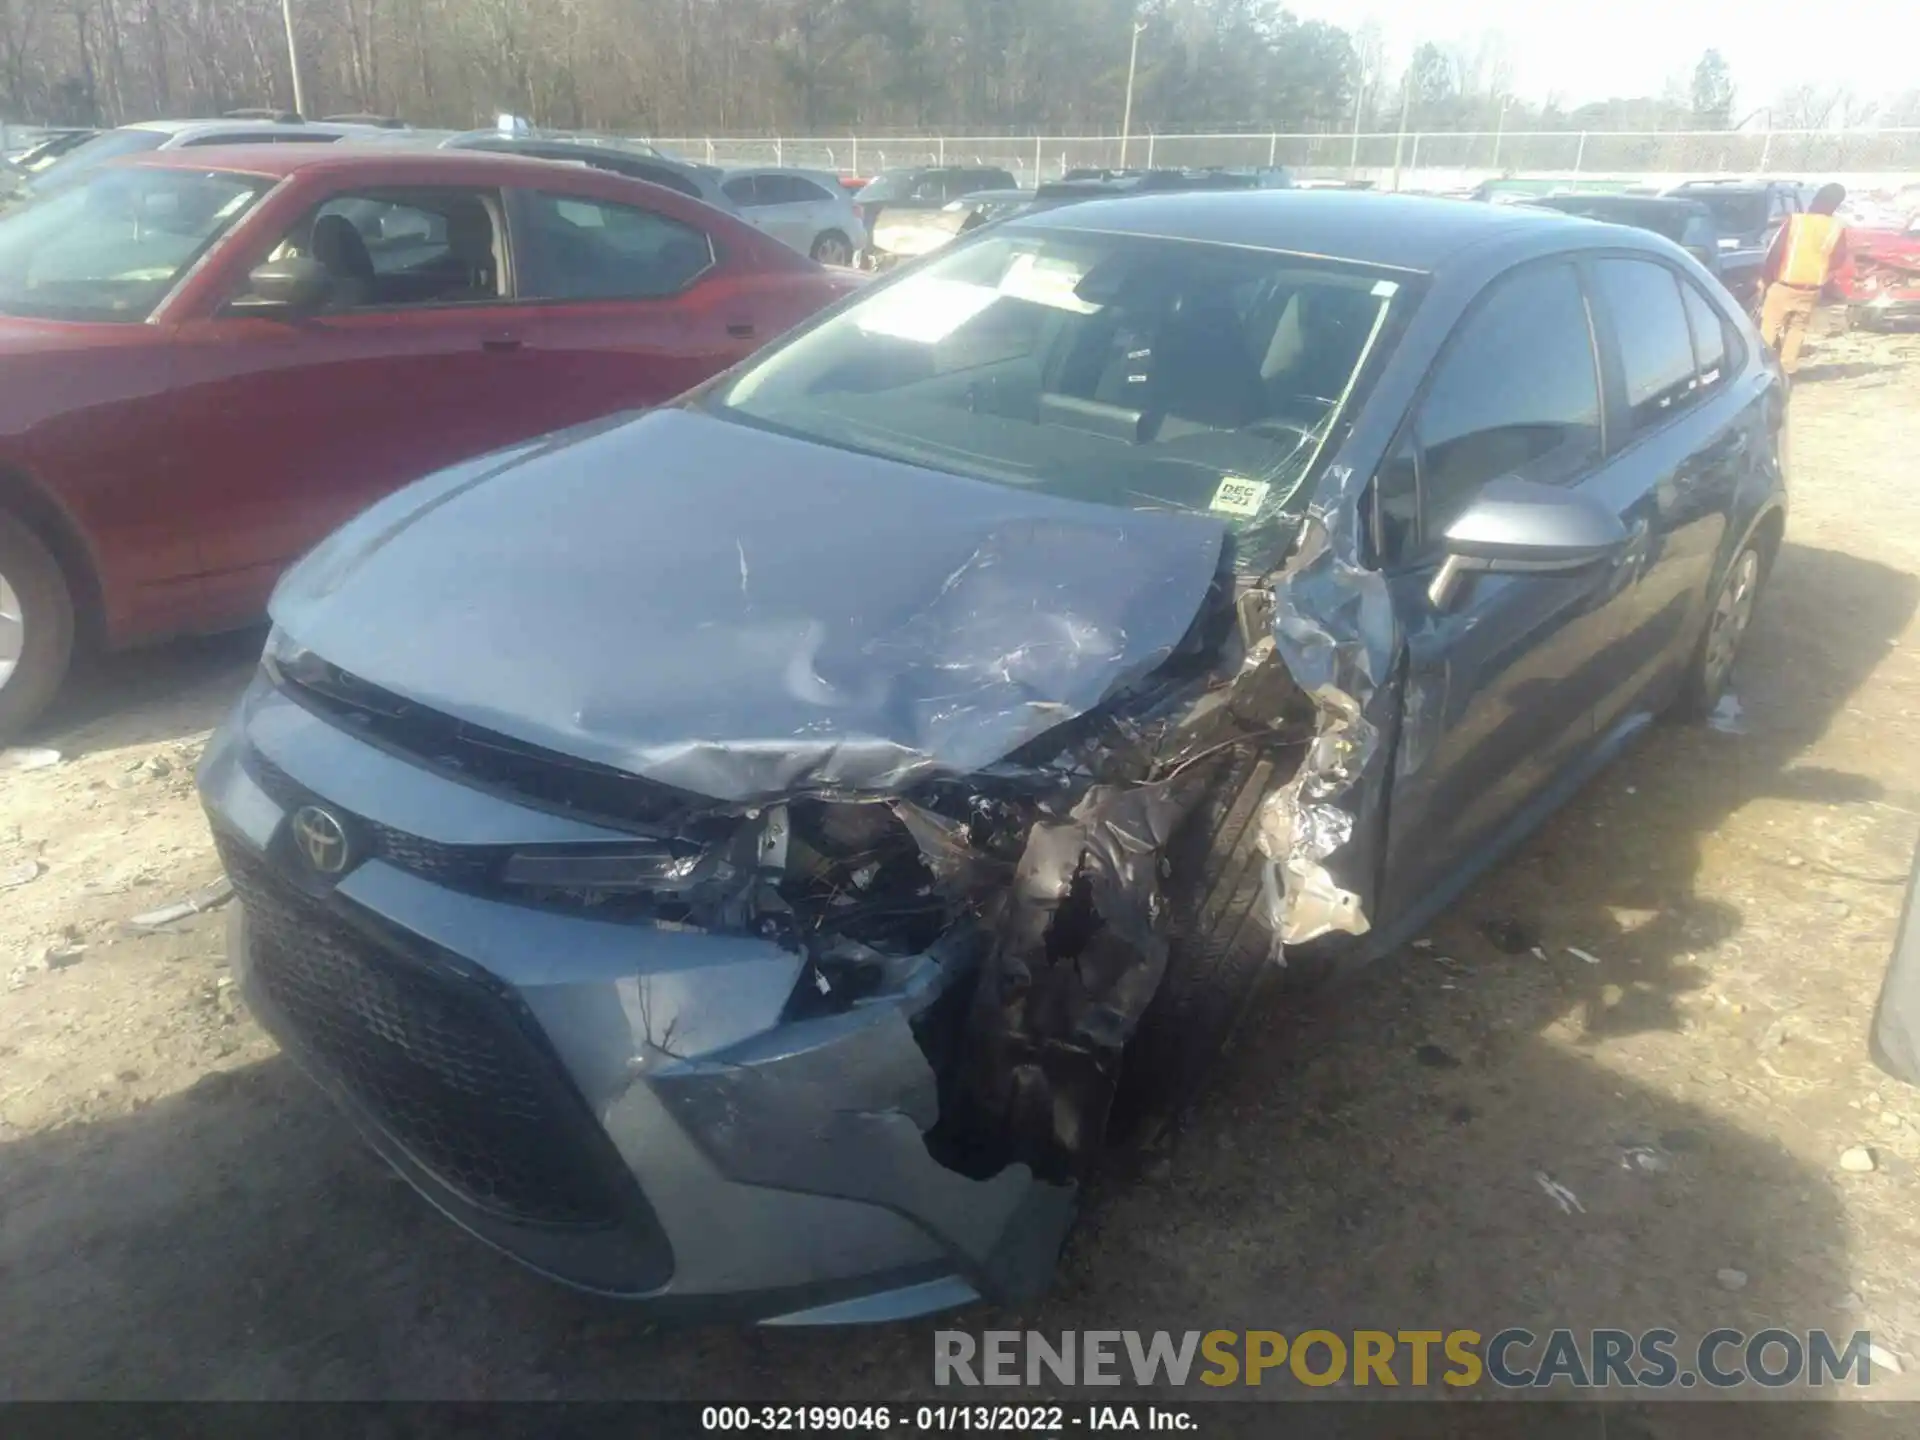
(1371, 1160)
(158, 693)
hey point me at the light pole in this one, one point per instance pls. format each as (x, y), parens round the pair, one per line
(1400, 137)
(1126, 114)
(1359, 95)
(293, 57)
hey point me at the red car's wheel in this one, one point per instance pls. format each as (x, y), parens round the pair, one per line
(36, 625)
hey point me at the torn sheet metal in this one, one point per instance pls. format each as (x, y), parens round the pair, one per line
(1335, 629)
(839, 1106)
(1079, 949)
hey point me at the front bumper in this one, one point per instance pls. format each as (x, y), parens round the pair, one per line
(1887, 310)
(625, 1108)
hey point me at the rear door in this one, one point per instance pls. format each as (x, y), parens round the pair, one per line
(787, 209)
(413, 364)
(1680, 447)
(630, 309)
(1502, 681)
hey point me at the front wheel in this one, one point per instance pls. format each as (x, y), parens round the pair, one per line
(833, 248)
(1727, 625)
(36, 626)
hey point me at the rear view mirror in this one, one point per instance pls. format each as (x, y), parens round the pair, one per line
(1514, 526)
(297, 285)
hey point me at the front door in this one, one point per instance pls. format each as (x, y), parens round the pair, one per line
(1502, 678)
(415, 362)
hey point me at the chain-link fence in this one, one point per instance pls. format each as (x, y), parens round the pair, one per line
(1046, 157)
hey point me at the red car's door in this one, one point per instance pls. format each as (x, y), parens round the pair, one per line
(634, 303)
(414, 362)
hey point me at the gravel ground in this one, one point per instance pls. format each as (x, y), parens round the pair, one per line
(181, 1216)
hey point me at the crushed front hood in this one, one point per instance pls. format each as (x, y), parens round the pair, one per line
(744, 615)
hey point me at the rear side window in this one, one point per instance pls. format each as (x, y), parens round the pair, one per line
(1656, 349)
(1515, 393)
(654, 175)
(595, 250)
(1709, 335)
(788, 190)
(741, 190)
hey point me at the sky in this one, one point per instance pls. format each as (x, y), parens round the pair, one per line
(1633, 47)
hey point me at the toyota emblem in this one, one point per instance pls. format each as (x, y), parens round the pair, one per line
(321, 838)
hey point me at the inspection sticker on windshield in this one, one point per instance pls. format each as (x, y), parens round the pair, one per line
(1239, 497)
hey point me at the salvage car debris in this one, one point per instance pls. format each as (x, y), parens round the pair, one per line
(207, 897)
(1558, 1193)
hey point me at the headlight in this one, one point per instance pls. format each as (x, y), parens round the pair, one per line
(625, 869)
(285, 659)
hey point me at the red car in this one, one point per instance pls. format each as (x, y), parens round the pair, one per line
(210, 358)
(1880, 281)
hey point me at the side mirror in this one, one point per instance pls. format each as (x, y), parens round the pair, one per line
(1516, 527)
(296, 286)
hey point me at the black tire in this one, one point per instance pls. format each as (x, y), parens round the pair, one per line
(1707, 671)
(832, 243)
(46, 610)
(1219, 944)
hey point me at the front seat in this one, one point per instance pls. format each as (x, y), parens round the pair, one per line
(470, 247)
(1201, 371)
(337, 245)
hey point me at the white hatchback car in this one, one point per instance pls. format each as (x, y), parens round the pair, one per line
(806, 209)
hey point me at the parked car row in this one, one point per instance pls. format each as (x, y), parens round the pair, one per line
(910, 229)
(805, 209)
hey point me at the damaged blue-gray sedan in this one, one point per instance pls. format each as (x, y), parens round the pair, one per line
(742, 857)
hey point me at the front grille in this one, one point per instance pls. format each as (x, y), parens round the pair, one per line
(474, 868)
(434, 1054)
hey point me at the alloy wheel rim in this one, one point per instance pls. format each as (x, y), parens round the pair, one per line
(13, 632)
(834, 252)
(1731, 614)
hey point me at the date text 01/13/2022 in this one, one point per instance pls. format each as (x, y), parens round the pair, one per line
(935, 1419)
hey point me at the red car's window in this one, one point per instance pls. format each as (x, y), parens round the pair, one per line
(584, 249)
(384, 249)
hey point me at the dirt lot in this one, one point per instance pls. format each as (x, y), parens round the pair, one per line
(181, 1216)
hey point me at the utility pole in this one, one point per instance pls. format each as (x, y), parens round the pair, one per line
(1353, 155)
(1126, 115)
(1406, 104)
(293, 57)
(1500, 128)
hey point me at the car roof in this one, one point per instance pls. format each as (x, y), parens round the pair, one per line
(279, 161)
(1403, 232)
(823, 176)
(943, 169)
(1623, 204)
(248, 124)
(1735, 187)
